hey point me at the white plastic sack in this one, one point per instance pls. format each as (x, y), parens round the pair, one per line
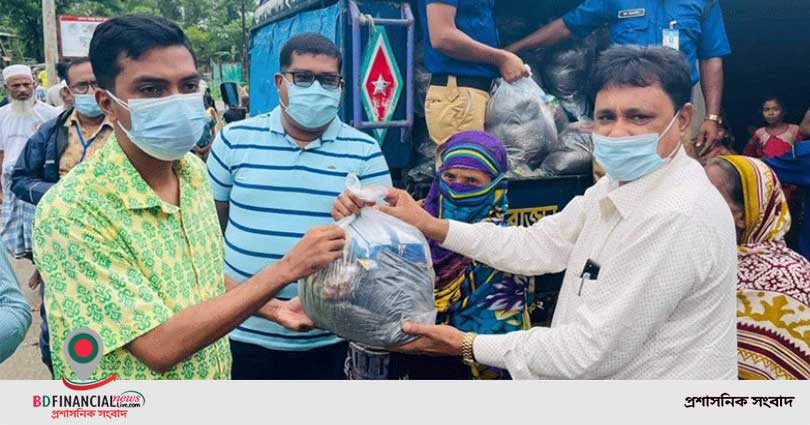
(518, 115)
(384, 278)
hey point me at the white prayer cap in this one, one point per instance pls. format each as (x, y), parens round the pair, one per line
(15, 71)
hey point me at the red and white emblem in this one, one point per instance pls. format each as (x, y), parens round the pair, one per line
(381, 82)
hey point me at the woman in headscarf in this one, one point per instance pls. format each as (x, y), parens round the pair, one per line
(469, 186)
(773, 297)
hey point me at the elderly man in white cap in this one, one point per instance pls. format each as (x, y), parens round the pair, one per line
(18, 121)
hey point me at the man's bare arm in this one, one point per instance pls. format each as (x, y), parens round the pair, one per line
(804, 127)
(711, 82)
(448, 39)
(194, 328)
(223, 209)
(546, 36)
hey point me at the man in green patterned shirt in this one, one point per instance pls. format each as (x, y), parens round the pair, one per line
(129, 243)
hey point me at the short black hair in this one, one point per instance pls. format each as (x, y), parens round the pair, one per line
(310, 43)
(130, 36)
(234, 114)
(637, 66)
(61, 69)
(71, 64)
(208, 101)
(774, 98)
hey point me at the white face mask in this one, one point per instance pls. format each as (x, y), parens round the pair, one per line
(165, 128)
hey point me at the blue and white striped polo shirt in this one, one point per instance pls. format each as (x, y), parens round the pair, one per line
(276, 192)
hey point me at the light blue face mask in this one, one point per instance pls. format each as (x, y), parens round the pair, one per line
(165, 128)
(630, 158)
(312, 107)
(86, 105)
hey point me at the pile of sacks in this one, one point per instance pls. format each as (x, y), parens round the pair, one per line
(543, 121)
(520, 115)
(573, 152)
(564, 70)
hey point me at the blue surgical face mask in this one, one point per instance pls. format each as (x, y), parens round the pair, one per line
(165, 128)
(312, 107)
(630, 158)
(86, 105)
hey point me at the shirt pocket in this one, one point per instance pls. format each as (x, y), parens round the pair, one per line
(631, 31)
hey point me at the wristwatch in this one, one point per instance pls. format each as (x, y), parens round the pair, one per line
(467, 349)
(715, 118)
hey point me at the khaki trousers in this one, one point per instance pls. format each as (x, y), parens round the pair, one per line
(451, 109)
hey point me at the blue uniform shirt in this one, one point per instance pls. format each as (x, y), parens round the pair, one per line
(702, 32)
(474, 18)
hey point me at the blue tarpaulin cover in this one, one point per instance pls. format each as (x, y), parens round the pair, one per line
(265, 49)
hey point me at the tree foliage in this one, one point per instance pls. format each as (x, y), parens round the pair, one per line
(213, 26)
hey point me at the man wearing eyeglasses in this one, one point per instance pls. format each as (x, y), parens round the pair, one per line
(273, 177)
(59, 145)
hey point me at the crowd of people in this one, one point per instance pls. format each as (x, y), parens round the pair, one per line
(180, 238)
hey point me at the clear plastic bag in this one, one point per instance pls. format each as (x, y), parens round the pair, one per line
(565, 70)
(519, 116)
(384, 278)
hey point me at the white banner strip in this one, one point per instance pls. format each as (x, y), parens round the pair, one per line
(418, 403)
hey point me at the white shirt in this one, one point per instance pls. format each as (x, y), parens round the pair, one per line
(16, 129)
(663, 305)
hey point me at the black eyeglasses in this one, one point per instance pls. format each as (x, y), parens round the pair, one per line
(83, 87)
(306, 78)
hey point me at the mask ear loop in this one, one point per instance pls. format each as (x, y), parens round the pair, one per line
(125, 106)
(674, 152)
(283, 106)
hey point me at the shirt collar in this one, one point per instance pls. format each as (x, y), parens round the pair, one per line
(330, 135)
(627, 198)
(133, 189)
(74, 119)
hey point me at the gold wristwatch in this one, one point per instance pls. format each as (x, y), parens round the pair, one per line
(715, 118)
(467, 349)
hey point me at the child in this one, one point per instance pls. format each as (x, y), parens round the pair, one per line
(777, 137)
(774, 140)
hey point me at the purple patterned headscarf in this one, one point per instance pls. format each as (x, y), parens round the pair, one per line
(475, 150)
(465, 141)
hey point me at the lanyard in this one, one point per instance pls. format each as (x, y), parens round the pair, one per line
(86, 144)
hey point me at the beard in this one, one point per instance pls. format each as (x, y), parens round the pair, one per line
(23, 107)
